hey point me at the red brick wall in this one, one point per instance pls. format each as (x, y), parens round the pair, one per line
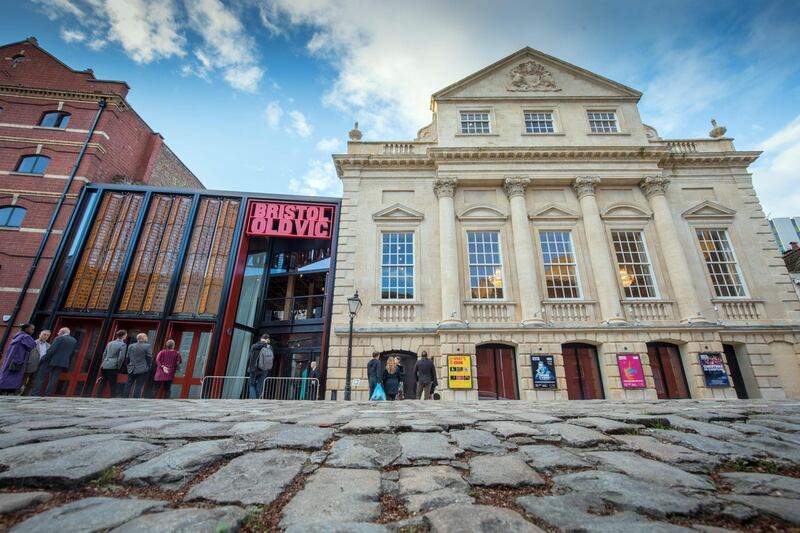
(123, 148)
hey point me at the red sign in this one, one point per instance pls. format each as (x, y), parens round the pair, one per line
(630, 370)
(275, 219)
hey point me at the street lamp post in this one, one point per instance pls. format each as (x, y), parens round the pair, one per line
(353, 304)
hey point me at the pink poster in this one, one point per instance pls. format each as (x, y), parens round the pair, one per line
(630, 369)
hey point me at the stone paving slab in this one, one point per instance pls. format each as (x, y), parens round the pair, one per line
(194, 465)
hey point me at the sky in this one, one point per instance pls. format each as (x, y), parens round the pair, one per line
(255, 95)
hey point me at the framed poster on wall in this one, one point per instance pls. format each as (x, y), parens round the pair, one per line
(714, 369)
(459, 371)
(544, 371)
(630, 371)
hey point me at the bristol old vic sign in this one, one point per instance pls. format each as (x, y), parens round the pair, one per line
(277, 219)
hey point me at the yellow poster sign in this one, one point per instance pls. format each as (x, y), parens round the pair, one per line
(459, 371)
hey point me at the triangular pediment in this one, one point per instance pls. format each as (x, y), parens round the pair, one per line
(398, 212)
(482, 212)
(709, 210)
(626, 212)
(553, 212)
(529, 73)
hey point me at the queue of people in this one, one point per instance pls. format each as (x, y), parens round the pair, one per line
(35, 365)
(391, 376)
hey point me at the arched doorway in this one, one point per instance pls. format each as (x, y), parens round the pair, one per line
(582, 371)
(408, 360)
(496, 372)
(668, 374)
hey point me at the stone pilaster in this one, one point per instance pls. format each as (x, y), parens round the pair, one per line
(530, 300)
(445, 189)
(655, 189)
(599, 253)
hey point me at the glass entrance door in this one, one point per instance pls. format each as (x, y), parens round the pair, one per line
(72, 381)
(582, 372)
(670, 380)
(193, 342)
(497, 373)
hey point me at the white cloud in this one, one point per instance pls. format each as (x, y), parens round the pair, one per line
(54, 9)
(273, 112)
(776, 176)
(299, 124)
(146, 29)
(72, 36)
(226, 45)
(97, 44)
(319, 179)
(329, 145)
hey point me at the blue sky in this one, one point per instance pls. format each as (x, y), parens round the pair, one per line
(256, 94)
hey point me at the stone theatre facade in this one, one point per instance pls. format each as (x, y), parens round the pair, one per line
(538, 217)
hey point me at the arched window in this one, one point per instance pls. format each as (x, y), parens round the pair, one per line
(11, 216)
(33, 164)
(55, 119)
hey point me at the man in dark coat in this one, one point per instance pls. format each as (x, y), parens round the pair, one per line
(16, 359)
(57, 359)
(374, 373)
(140, 358)
(257, 374)
(425, 373)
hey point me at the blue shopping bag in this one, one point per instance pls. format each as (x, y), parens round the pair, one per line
(378, 393)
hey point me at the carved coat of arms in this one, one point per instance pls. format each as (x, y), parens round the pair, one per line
(531, 76)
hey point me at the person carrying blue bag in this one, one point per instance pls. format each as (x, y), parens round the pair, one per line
(378, 394)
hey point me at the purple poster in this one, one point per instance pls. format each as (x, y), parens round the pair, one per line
(630, 370)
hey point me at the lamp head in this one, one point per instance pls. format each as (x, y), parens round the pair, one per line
(354, 304)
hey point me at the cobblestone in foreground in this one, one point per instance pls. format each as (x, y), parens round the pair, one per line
(224, 466)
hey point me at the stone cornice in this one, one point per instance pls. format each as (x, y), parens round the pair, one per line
(738, 159)
(515, 186)
(53, 94)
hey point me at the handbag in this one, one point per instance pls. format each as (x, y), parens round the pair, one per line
(378, 394)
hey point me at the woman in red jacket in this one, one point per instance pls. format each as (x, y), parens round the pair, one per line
(167, 363)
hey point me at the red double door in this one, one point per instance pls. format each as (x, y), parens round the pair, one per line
(668, 374)
(582, 372)
(496, 373)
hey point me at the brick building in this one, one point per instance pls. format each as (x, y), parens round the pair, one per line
(47, 111)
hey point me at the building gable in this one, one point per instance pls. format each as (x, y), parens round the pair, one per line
(530, 74)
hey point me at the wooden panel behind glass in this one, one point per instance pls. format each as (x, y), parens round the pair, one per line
(104, 252)
(156, 254)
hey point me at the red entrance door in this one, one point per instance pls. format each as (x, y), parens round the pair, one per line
(193, 342)
(670, 380)
(87, 332)
(497, 373)
(582, 372)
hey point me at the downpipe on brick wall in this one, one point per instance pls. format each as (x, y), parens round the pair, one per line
(101, 105)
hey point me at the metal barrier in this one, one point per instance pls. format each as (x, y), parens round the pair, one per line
(290, 389)
(224, 387)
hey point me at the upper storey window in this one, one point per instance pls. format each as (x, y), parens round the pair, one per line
(603, 122)
(721, 263)
(634, 264)
(33, 164)
(11, 217)
(539, 122)
(55, 119)
(485, 264)
(560, 265)
(397, 266)
(475, 122)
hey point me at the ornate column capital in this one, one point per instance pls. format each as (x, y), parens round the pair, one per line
(445, 187)
(585, 185)
(654, 185)
(515, 186)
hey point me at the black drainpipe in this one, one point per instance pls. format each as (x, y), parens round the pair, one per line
(25, 286)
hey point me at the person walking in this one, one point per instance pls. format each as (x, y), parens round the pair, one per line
(57, 359)
(167, 362)
(401, 370)
(140, 357)
(391, 379)
(259, 363)
(313, 387)
(113, 359)
(16, 360)
(34, 358)
(374, 372)
(425, 373)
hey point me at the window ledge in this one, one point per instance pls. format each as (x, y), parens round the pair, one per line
(554, 134)
(477, 135)
(397, 302)
(18, 173)
(10, 228)
(618, 134)
(50, 128)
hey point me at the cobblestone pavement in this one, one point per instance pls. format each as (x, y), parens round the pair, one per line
(70, 465)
